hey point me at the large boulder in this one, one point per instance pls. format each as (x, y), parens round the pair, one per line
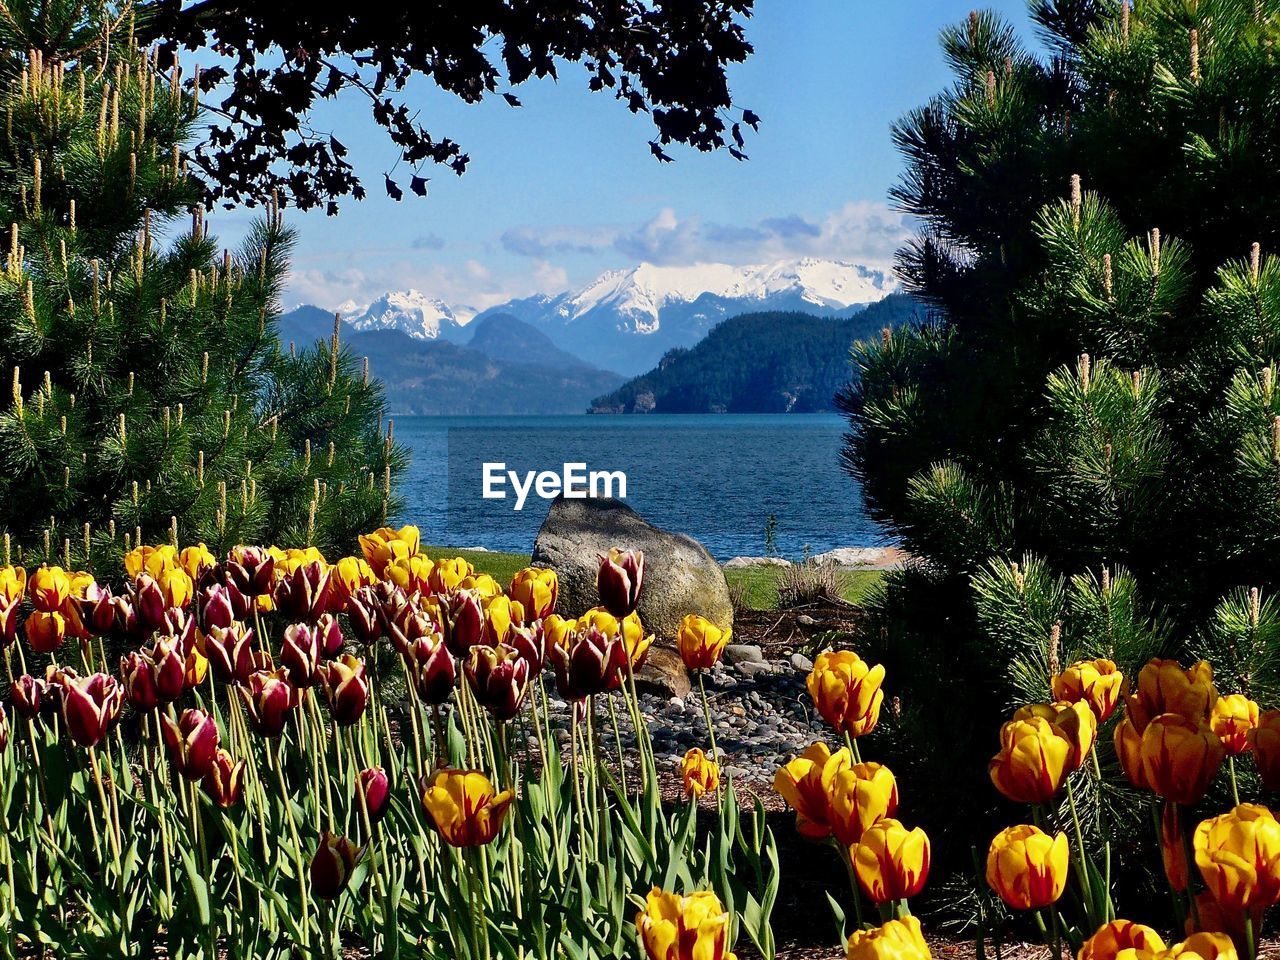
(680, 577)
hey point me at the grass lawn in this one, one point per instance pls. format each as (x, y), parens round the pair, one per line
(759, 584)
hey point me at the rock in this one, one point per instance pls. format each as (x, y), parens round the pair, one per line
(751, 669)
(663, 674)
(867, 558)
(806, 621)
(800, 663)
(739, 563)
(681, 577)
(743, 653)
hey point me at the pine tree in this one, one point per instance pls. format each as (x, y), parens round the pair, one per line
(150, 397)
(1081, 439)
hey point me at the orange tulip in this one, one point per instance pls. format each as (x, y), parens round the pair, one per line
(1180, 758)
(1121, 936)
(464, 807)
(699, 774)
(804, 783)
(1232, 718)
(1128, 742)
(1096, 682)
(858, 797)
(672, 927)
(701, 642)
(536, 590)
(1164, 686)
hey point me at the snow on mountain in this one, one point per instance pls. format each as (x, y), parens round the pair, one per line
(414, 313)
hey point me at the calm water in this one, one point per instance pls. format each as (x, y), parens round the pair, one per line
(717, 478)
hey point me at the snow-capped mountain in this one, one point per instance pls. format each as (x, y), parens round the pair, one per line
(414, 313)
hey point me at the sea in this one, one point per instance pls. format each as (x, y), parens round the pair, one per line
(744, 485)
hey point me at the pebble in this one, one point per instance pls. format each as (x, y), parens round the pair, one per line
(801, 663)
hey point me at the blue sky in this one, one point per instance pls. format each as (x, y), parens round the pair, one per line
(565, 187)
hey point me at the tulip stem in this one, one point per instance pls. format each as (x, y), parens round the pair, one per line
(1181, 813)
(1081, 865)
(617, 738)
(846, 855)
(706, 714)
(297, 846)
(113, 827)
(1235, 789)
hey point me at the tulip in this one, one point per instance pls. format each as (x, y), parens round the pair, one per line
(332, 864)
(699, 774)
(27, 692)
(629, 628)
(536, 590)
(45, 630)
(500, 614)
(1206, 945)
(804, 783)
(701, 642)
(1264, 743)
(1173, 850)
(269, 698)
(300, 654)
(138, 674)
(1232, 718)
(846, 691)
(1027, 867)
(557, 629)
(858, 797)
(1180, 758)
(10, 611)
(374, 792)
(329, 633)
(224, 783)
(90, 705)
(363, 615)
(194, 669)
(1033, 761)
(252, 571)
(590, 663)
(148, 602)
(150, 560)
(49, 588)
(386, 544)
(619, 580)
(499, 678)
(196, 560)
(220, 605)
(465, 623)
(411, 574)
(1075, 721)
(1164, 686)
(530, 641)
(230, 652)
(1121, 936)
(348, 576)
(193, 742)
(431, 669)
(13, 583)
(891, 862)
(347, 689)
(895, 940)
(176, 586)
(446, 575)
(1238, 855)
(672, 927)
(1128, 743)
(97, 608)
(303, 592)
(463, 806)
(480, 583)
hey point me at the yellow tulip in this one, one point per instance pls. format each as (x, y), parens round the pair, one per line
(1238, 854)
(1034, 759)
(1075, 721)
(891, 862)
(176, 586)
(1121, 936)
(895, 940)
(1202, 946)
(13, 583)
(349, 575)
(446, 575)
(500, 614)
(412, 573)
(45, 630)
(196, 560)
(49, 588)
(672, 927)
(629, 627)
(859, 796)
(536, 589)
(846, 691)
(1165, 686)
(1027, 867)
(387, 544)
(1232, 718)
(701, 642)
(1180, 758)
(804, 783)
(1128, 743)
(1097, 682)
(464, 807)
(480, 583)
(557, 629)
(699, 773)
(150, 560)
(1264, 743)
(288, 561)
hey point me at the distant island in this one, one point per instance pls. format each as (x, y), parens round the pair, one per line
(769, 362)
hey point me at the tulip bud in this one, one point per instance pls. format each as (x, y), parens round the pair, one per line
(846, 691)
(1238, 855)
(252, 571)
(1232, 718)
(891, 862)
(589, 663)
(530, 641)
(699, 774)
(49, 588)
(894, 940)
(303, 594)
(374, 793)
(332, 865)
(362, 612)
(224, 783)
(463, 806)
(701, 642)
(1164, 686)
(221, 605)
(499, 678)
(300, 654)
(619, 580)
(1027, 867)
(672, 927)
(859, 796)
(1034, 759)
(1180, 758)
(347, 689)
(1264, 742)
(329, 632)
(168, 668)
(149, 603)
(431, 669)
(446, 575)
(90, 705)
(194, 669)
(1097, 682)
(804, 784)
(230, 652)
(465, 623)
(27, 692)
(192, 741)
(269, 698)
(45, 630)
(137, 672)
(536, 590)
